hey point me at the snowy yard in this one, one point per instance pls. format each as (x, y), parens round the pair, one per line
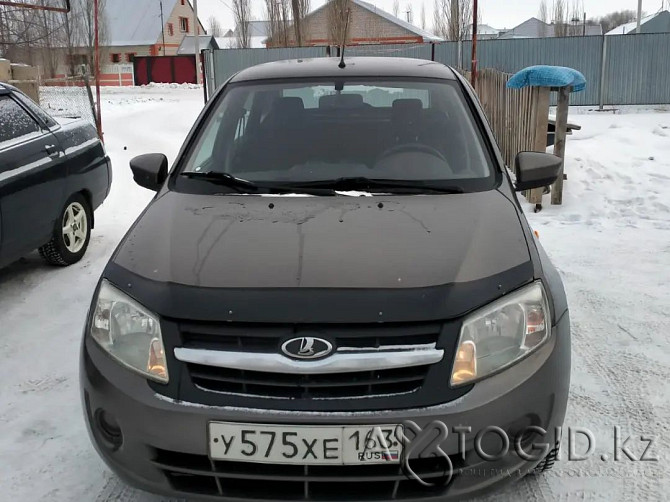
(610, 240)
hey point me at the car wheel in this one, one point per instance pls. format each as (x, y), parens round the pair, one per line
(547, 462)
(71, 234)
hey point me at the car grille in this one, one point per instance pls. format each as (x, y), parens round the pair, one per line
(264, 339)
(197, 474)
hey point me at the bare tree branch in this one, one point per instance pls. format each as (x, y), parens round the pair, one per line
(215, 29)
(242, 15)
(338, 12)
(453, 19)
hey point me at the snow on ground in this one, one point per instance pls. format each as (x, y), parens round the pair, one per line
(610, 240)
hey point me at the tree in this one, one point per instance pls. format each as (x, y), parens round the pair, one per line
(278, 15)
(300, 9)
(543, 15)
(338, 16)
(396, 8)
(423, 16)
(560, 18)
(409, 10)
(34, 37)
(614, 19)
(215, 28)
(242, 15)
(576, 19)
(453, 19)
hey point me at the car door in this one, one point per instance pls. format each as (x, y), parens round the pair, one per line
(32, 177)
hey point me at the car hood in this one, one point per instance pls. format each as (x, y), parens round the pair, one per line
(395, 242)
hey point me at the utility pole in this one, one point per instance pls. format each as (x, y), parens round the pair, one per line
(639, 15)
(196, 25)
(473, 69)
(162, 26)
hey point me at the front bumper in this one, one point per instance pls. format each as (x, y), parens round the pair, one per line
(164, 446)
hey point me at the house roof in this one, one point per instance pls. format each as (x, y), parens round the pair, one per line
(259, 28)
(187, 46)
(427, 37)
(231, 42)
(535, 28)
(530, 28)
(627, 28)
(485, 29)
(135, 22)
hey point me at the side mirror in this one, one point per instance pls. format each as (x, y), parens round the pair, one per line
(150, 170)
(535, 170)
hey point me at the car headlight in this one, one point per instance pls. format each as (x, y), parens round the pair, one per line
(500, 334)
(129, 333)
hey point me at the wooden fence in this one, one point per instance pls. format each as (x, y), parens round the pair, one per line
(519, 117)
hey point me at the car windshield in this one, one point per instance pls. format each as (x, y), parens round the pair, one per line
(295, 132)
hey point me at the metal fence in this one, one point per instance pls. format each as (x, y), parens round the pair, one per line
(69, 97)
(619, 70)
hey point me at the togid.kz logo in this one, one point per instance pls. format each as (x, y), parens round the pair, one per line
(416, 442)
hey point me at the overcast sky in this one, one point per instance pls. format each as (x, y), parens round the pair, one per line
(497, 13)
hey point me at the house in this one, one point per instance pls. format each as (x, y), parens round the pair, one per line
(368, 25)
(655, 23)
(535, 28)
(484, 32)
(205, 42)
(259, 31)
(134, 28)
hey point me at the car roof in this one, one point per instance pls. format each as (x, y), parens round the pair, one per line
(378, 67)
(6, 88)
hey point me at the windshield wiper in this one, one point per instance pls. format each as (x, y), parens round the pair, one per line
(245, 186)
(371, 184)
(227, 179)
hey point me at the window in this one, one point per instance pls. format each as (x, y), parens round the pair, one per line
(115, 57)
(131, 57)
(292, 132)
(183, 24)
(14, 120)
(170, 29)
(30, 104)
(183, 2)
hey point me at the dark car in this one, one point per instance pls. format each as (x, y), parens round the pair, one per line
(334, 295)
(52, 177)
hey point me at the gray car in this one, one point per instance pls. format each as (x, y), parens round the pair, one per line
(334, 295)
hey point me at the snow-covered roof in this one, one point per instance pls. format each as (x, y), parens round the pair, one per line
(624, 29)
(187, 46)
(485, 29)
(259, 28)
(427, 37)
(135, 22)
(231, 42)
(535, 28)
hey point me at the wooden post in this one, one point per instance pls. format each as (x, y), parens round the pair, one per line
(562, 108)
(540, 126)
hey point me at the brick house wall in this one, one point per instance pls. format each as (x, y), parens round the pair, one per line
(173, 29)
(365, 27)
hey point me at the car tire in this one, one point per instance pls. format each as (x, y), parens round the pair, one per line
(547, 462)
(72, 233)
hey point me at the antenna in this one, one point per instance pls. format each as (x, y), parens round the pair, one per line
(344, 41)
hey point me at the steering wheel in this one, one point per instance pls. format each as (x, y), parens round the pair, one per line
(410, 147)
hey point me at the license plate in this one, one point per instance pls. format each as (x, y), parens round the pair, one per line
(305, 444)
